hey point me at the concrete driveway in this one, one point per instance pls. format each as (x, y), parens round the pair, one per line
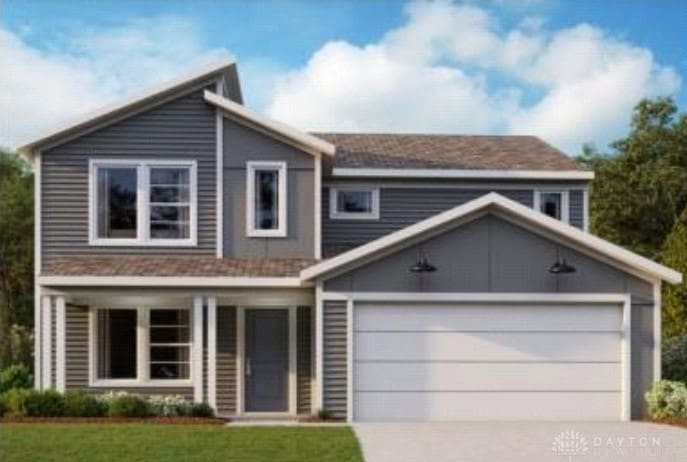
(521, 441)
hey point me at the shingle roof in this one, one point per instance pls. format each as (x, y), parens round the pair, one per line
(374, 150)
(176, 266)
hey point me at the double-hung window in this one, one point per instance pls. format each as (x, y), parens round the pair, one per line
(266, 199)
(553, 203)
(142, 202)
(141, 345)
(354, 203)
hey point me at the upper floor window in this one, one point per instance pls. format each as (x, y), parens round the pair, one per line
(266, 199)
(552, 203)
(142, 203)
(354, 203)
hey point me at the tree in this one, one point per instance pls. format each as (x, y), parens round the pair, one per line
(641, 186)
(16, 252)
(675, 297)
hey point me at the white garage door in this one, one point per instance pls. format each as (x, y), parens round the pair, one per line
(487, 362)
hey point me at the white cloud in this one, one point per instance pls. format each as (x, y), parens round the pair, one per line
(452, 68)
(87, 68)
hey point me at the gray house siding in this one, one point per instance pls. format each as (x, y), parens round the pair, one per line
(226, 360)
(304, 359)
(334, 357)
(576, 208)
(182, 128)
(401, 206)
(241, 145)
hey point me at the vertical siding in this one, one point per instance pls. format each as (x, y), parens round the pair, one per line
(183, 128)
(334, 357)
(576, 208)
(400, 207)
(304, 366)
(226, 360)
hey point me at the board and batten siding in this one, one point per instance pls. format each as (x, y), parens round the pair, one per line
(304, 360)
(335, 361)
(182, 128)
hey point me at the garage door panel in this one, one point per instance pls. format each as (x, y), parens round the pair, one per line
(414, 317)
(487, 346)
(451, 376)
(372, 406)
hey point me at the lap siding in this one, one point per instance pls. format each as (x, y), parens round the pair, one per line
(335, 360)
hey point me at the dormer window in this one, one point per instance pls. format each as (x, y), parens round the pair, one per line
(143, 203)
(266, 199)
(553, 203)
(354, 203)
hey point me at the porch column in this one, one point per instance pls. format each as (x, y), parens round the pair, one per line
(212, 352)
(37, 339)
(197, 350)
(60, 345)
(319, 348)
(46, 342)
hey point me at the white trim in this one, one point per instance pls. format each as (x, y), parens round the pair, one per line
(318, 208)
(252, 167)
(212, 352)
(626, 352)
(293, 358)
(302, 139)
(349, 360)
(60, 343)
(651, 269)
(219, 169)
(92, 345)
(464, 173)
(565, 201)
(658, 331)
(46, 332)
(318, 402)
(38, 339)
(140, 98)
(197, 349)
(37, 365)
(170, 281)
(334, 212)
(585, 209)
(142, 167)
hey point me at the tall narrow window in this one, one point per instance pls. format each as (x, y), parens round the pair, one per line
(117, 353)
(170, 344)
(117, 197)
(266, 195)
(552, 203)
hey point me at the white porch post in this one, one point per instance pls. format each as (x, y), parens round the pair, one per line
(60, 343)
(197, 354)
(37, 339)
(46, 342)
(212, 352)
(319, 347)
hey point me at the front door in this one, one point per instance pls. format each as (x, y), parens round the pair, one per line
(266, 366)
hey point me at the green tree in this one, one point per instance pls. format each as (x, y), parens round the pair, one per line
(16, 252)
(675, 297)
(641, 186)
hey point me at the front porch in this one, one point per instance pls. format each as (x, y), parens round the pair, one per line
(248, 352)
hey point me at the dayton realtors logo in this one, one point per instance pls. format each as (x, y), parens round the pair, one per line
(570, 444)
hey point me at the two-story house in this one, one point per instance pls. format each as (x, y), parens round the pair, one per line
(186, 244)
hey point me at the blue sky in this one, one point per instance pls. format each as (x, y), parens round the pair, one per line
(568, 71)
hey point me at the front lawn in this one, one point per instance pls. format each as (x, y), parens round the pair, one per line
(150, 442)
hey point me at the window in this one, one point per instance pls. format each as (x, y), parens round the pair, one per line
(354, 203)
(266, 199)
(552, 203)
(143, 203)
(142, 345)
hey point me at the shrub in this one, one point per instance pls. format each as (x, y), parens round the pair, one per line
(202, 410)
(2, 405)
(675, 358)
(34, 403)
(168, 405)
(667, 399)
(125, 405)
(325, 414)
(82, 404)
(15, 376)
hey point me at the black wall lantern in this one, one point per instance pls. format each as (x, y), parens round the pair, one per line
(423, 266)
(562, 267)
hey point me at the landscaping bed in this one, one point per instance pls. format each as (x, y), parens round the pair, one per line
(106, 420)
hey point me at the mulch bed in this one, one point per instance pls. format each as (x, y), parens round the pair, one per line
(101, 420)
(315, 419)
(672, 421)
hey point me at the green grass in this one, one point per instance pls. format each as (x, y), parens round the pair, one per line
(170, 443)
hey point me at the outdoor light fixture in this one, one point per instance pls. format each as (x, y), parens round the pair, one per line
(423, 266)
(562, 267)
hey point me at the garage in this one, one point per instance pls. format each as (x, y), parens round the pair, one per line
(419, 361)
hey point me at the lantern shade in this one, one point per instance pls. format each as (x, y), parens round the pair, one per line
(423, 266)
(562, 267)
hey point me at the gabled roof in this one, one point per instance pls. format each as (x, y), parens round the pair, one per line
(493, 201)
(411, 154)
(301, 139)
(224, 67)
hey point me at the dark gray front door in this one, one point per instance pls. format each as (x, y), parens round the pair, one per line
(267, 360)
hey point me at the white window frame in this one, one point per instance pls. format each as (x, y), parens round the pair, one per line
(142, 167)
(334, 212)
(565, 202)
(251, 169)
(142, 351)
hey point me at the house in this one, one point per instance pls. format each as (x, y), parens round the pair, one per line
(185, 244)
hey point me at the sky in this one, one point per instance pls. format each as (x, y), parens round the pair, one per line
(569, 71)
